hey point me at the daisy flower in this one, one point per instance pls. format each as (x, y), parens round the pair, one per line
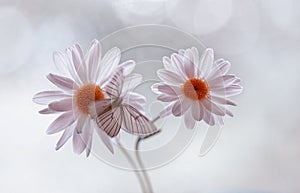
(80, 86)
(196, 87)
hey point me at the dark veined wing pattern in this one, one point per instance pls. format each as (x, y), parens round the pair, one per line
(113, 114)
(115, 85)
(110, 121)
(135, 122)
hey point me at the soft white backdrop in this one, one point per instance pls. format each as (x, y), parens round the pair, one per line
(259, 149)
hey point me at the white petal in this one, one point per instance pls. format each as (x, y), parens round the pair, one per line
(222, 81)
(62, 82)
(62, 105)
(46, 97)
(63, 121)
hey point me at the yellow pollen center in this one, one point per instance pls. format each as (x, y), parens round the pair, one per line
(195, 89)
(87, 94)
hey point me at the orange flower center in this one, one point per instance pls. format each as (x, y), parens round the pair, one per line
(195, 89)
(87, 94)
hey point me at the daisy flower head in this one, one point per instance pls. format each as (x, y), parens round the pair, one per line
(80, 84)
(196, 87)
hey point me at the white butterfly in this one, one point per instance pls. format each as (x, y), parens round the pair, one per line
(122, 110)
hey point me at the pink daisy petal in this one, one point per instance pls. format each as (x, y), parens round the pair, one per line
(108, 64)
(79, 63)
(169, 77)
(134, 97)
(189, 68)
(196, 111)
(208, 117)
(61, 62)
(46, 97)
(181, 106)
(135, 100)
(219, 120)
(196, 57)
(105, 139)
(212, 107)
(92, 59)
(131, 81)
(169, 89)
(206, 62)
(62, 105)
(68, 132)
(222, 81)
(62, 82)
(179, 65)
(78, 143)
(188, 120)
(167, 64)
(81, 120)
(127, 66)
(48, 111)
(222, 101)
(87, 136)
(166, 111)
(229, 113)
(221, 68)
(167, 98)
(229, 91)
(60, 123)
(89, 144)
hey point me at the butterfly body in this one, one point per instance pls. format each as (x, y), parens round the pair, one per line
(120, 111)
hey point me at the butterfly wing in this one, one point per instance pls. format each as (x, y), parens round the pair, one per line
(110, 121)
(133, 121)
(115, 85)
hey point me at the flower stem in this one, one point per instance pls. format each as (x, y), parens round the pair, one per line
(138, 157)
(135, 169)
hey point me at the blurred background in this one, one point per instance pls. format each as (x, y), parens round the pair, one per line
(258, 150)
